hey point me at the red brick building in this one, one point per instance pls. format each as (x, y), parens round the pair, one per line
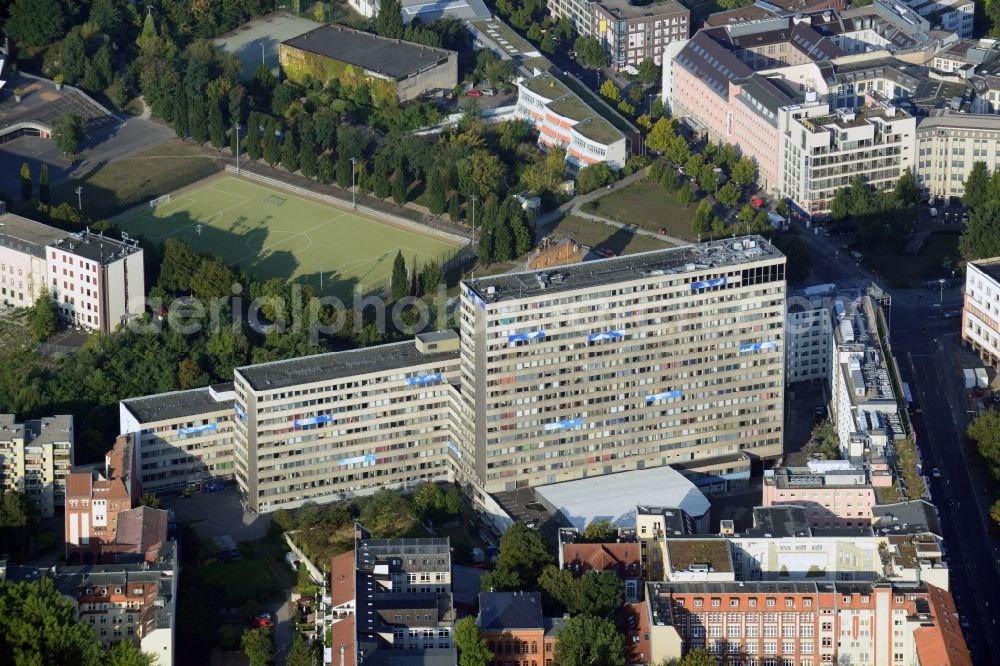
(805, 624)
(515, 630)
(94, 501)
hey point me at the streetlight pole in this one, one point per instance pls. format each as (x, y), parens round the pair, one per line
(354, 168)
(941, 296)
(237, 130)
(79, 199)
(321, 278)
(262, 61)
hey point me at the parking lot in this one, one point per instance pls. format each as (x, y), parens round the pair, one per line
(218, 513)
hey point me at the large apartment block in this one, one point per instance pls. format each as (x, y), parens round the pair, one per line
(97, 282)
(333, 425)
(981, 314)
(183, 437)
(630, 32)
(23, 268)
(652, 359)
(36, 458)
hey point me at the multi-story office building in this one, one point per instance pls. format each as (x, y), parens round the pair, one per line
(809, 334)
(97, 282)
(23, 267)
(805, 623)
(951, 15)
(629, 32)
(949, 144)
(981, 312)
(36, 457)
(333, 425)
(864, 406)
(183, 437)
(564, 121)
(391, 603)
(663, 357)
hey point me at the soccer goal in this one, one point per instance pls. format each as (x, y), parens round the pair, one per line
(153, 203)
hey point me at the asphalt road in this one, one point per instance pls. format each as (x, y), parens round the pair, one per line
(922, 342)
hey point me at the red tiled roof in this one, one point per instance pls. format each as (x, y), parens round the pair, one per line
(617, 557)
(78, 484)
(942, 644)
(342, 578)
(343, 635)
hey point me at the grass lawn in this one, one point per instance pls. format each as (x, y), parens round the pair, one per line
(111, 188)
(273, 233)
(602, 236)
(906, 271)
(648, 205)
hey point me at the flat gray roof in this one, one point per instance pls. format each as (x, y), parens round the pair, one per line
(614, 497)
(178, 404)
(335, 365)
(780, 521)
(688, 259)
(24, 235)
(626, 8)
(390, 57)
(990, 267)
(95, 247)
(945, 118)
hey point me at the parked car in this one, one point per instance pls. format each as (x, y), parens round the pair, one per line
(474, 93)
(951, 314)
(489, 92)
(263, 620)
(936, 473)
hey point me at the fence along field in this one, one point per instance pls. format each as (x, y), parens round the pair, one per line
(274, 232)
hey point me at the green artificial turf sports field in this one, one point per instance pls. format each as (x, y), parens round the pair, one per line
(274, 233)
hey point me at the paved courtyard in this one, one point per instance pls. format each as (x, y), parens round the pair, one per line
(217, 514)
(257, 41)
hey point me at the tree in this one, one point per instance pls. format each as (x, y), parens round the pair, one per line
(661, 136)
(701, 226)
(981, 236)
(436, 202)
(399, 188)
(559, 586)
(977, 187)
(523, 552)
(693, 164)
(301, 653)
(43, 317)
(593, 176)
(258, 646)
(586, 640)
(728, 194)
(389, 20)
(179, 263)
(472, 647)
(547, 174)
(600, 531)
(387, 514)
(428, 500)
(325, 169)
(148, 33)
(150, 500)
(590, 52)
(455, 207)
(500, 580)
(744, 172)
(685, 195)
(995, 512)
(984, 432)
(600, 593)
(43, 184)
(678, 150)
(400, 284)
(73, 55)
(127, 653)
(290, 152)
(907, 192)
(68, 133)
(26, 187)
(35, 22)
(548, 44)
(610, 91)
(381, 187)
(190, 374)
(197, 118)
(212, 279)
(840, 207)
(697, 657)
(39, 626)
(252, 143)
(216, 126)
(708, 178)
(270, 146)
(649, 72)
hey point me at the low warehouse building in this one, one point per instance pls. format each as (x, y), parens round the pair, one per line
(393, 69)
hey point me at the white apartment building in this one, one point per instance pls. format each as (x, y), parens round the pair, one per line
(182, 437)
(981, 312)
(563, 120)
(672, 356)
(97, 282)
(949, 143)
(36, 457)
(330, 426)
(23, 267)
(864, 406)
(952, 15)
(823, 150)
